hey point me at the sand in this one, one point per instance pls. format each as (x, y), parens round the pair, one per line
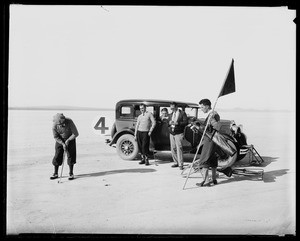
(113, 196)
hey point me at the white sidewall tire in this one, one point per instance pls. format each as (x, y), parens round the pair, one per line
(127, 147)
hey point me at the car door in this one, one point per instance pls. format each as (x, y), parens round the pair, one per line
(125, 118)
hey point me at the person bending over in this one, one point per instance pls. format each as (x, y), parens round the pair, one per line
(65, 134)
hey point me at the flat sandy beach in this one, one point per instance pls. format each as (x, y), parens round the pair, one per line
(113, 196)
(83, 59)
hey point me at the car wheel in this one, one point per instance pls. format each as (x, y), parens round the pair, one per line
(127, 147)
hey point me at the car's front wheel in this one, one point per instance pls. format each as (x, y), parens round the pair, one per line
(127, 147)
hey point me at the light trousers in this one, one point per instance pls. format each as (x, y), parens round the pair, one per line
(176, 148)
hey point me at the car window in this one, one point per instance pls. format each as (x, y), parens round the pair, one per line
(161, 107)
(191, 112)
(125, 112)
(150, 109)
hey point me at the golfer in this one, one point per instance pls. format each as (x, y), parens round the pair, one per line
(65, 134)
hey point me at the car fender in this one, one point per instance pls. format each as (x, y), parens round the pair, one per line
(120, 133)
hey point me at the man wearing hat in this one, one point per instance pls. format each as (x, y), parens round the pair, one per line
(65, 133)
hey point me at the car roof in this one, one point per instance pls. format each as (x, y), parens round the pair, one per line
(154, 102)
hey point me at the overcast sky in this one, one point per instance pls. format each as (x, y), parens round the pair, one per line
(94, 56)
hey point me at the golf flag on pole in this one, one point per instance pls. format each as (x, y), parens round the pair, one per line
(227, 88)
(229, 83)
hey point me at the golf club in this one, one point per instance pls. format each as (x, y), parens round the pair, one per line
(62, 167)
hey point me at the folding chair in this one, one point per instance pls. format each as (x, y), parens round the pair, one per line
(254, 157)
(241, 138)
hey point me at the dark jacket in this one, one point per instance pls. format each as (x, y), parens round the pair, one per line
(214, 122)
(62, 132)
(182, 122)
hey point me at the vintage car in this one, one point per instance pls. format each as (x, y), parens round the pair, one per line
(126, 113)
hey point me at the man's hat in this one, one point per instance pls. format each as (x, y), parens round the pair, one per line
(59, 118)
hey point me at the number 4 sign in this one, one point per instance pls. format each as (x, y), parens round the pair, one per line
(102, 125)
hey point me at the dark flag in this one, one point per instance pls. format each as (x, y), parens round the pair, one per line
(229, 84)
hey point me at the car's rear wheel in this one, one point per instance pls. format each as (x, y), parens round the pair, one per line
(127, 147)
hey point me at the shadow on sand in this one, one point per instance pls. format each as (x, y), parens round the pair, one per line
(166, 157)
(269, 176)
(245, 162)
(134, 170)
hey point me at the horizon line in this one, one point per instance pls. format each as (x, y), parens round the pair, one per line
(112, 108)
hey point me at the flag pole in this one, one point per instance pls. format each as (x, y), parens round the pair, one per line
(209, 117)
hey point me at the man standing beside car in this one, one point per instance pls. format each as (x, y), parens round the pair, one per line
(208, 158)
(143, 129)
(177, 122)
